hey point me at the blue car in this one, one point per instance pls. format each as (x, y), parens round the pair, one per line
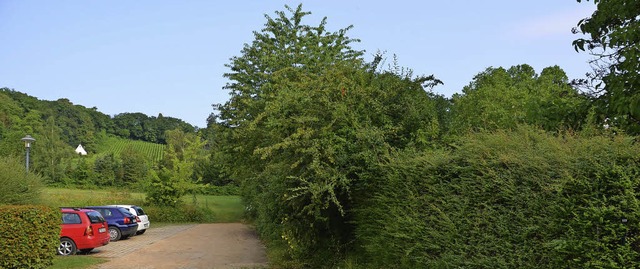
(122, 224)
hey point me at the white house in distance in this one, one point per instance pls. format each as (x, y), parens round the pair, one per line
(80, 150)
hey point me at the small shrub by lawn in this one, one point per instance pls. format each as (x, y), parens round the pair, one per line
(18, 187)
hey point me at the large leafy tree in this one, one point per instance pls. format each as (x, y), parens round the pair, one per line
(501, 98)
(306, 118)
(318, 135)
(613, 32)
(285, 42)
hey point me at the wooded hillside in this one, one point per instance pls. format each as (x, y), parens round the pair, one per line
(60, 126)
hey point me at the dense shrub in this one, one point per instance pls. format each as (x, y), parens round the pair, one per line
(522, 199)
(29, 236)
(18, 187)
(181, 213)
(164, 190)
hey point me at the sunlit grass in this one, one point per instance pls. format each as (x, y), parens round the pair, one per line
(59, 197)
(75, 262)
(226, 208)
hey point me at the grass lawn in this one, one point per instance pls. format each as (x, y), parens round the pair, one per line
(59, 197)
(74, 262)
(226, 208)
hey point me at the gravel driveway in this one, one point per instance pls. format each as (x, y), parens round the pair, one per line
(219, 245)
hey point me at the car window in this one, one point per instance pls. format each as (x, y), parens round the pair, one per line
(95, 217)
(140, 211)
(106, 213)
(132, 210)
(124, 211)
(71, 218)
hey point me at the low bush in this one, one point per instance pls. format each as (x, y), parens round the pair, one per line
(18, 187)
(29, 236)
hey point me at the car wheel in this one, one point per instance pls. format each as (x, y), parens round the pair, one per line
(114, 234)
(86, 250)
(67, 247)
(141, 232)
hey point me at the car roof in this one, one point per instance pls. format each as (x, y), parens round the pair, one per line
(126, 205)
(102, 206)
(75, 209)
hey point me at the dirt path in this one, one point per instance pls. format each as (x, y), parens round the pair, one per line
(220, 245)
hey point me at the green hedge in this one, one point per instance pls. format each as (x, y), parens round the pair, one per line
(522, 199)
(180, 213)
(29, 236)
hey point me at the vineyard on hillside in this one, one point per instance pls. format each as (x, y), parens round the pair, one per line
(116, 145)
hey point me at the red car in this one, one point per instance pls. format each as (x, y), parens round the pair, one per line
(82, 230)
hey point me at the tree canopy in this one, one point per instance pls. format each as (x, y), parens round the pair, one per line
(501, 98)
(613, 32)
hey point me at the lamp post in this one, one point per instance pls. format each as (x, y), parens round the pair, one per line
(27, 144)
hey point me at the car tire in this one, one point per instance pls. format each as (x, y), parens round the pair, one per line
(141, 232)
(114, 234)
(67, 247)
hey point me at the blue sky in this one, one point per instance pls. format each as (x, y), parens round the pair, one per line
(168, 56)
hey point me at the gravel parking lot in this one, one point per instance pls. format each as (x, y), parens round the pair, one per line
(219, 245)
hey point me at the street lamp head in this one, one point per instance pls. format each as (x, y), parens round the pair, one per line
(27, 141)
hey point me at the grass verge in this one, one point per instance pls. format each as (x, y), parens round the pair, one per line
(75, 262)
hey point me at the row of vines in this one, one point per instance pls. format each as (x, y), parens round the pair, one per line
(152, 151)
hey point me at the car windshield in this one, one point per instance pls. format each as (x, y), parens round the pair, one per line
(95, 217)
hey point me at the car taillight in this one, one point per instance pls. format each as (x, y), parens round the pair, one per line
(126, 220)
(138, 219)
(88, 231)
